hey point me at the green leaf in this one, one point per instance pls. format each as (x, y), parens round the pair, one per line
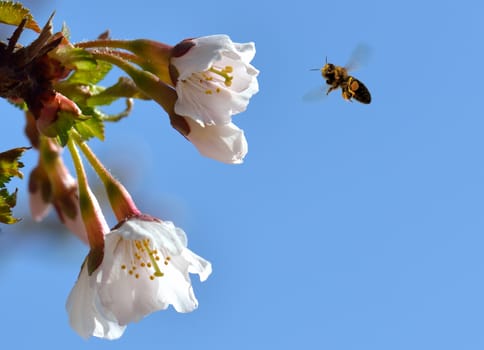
(9, 167)
(92, 127)
(7, 202)
(125, 87)
(87, 69)
(13, 13)
(10, 164)
(92, 74)
(60, 128)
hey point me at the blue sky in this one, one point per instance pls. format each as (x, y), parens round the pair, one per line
(349, 226)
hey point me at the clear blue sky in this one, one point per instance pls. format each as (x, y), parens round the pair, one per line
(349, 226)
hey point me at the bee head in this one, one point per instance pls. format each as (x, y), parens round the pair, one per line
(327, 70)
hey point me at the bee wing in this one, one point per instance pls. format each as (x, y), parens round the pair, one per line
(359, 57)
(315, 94)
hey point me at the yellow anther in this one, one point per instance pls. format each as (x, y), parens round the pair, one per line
(208, 92)
(224, 73)
(153, 261)
(123, 267)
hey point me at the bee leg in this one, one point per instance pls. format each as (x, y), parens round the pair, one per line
(347, 95)
(331, 88)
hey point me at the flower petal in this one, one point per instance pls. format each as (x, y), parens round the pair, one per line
(195, 102)
(86, 315)
(160, 232)
(225, 143)
(201, 56)
(38, 207)
(129, 298)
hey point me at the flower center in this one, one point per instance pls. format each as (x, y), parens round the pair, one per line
(145, 258)
(224, 73)
(210, 80)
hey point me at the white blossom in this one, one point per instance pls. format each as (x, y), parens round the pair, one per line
(145, 268)
(215, 79)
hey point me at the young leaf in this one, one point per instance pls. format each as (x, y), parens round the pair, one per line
(90, 74)
(10, 164)
(9, 167)
(60, 128)
(92, 127)
(124, 87)
(13, 13)
(87, 69)
(7, 202)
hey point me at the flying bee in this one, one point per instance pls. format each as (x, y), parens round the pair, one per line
(351, 87)
(338, 77)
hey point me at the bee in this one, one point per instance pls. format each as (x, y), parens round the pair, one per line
(351, 87)
(338, 77)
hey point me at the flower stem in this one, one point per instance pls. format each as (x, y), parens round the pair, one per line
(121, 202)
(112, 43)
(92, 216)
(148, 83)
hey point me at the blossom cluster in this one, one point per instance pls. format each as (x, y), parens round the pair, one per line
(142, 264)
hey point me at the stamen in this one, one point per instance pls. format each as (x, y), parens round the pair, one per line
(157, 273)
(224, 73)
(144, 257)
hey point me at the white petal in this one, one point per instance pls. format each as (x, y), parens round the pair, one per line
(129, 298)
(246, 51)
(200, 57)
(197, 264)
(225, 143)
(38, 207)
(86, 315)
(162, 233)
(175, 287)
(76, 226)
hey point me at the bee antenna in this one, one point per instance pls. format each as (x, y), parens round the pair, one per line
(326, 60)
